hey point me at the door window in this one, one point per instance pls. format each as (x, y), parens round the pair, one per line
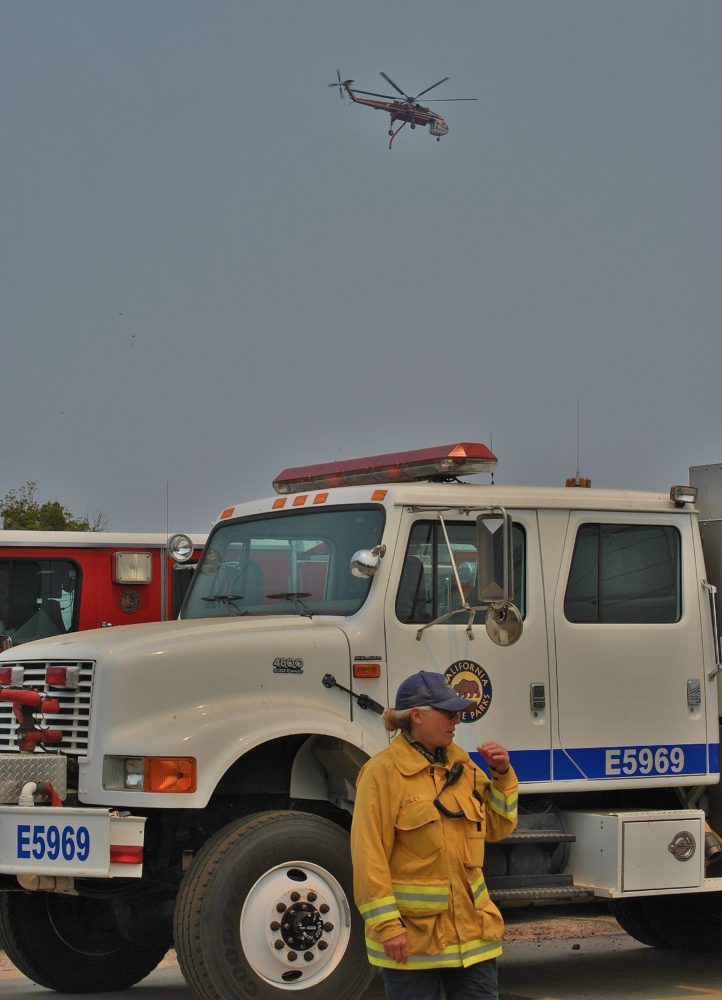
(625, 573)
(428, 589)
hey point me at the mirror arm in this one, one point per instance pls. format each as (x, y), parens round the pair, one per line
(464, 602)
(450, 614)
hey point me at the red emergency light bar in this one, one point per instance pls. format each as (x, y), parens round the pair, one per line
(450, 460)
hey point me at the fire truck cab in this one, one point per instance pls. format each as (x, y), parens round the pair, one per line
(55, 582)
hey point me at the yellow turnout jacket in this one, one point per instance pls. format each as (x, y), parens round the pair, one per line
(418, 870)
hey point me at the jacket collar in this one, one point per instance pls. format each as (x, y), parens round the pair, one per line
(409, 761)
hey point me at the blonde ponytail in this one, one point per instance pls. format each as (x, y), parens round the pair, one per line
(395, 719)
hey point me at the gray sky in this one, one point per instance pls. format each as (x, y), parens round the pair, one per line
(211, 268)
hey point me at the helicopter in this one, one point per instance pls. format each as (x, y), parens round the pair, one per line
(406, 111)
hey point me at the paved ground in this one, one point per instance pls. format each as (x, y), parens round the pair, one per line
(549, 955)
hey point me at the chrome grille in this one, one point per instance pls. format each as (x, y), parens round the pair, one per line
(74, 715)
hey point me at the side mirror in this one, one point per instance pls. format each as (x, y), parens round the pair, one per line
(495, 576)
(503, 624)
(495, 555)
(365, 562)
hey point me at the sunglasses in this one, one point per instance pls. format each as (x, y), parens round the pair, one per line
(447, 713)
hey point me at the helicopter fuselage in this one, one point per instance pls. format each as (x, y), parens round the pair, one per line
(401, 111)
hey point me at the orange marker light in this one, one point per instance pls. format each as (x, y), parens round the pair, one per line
(228, 512)
(300, 500)
(277, 504)
(379, 495)
(170, 774)
(320, 498)
(367, 669)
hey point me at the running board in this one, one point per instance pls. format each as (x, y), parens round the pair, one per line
(536, 837)
(539, 889)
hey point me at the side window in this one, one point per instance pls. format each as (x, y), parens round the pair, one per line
(625, 573)
(38, 598)
(427, 588)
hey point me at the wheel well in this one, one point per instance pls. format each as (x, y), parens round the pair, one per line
(304, 772)
(304, 766)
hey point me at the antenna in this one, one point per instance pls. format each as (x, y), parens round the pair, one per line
(491, 449)
(578, 480)
(577, 437)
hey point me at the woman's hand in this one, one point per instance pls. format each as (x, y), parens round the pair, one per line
(496, 756)
(396, 948)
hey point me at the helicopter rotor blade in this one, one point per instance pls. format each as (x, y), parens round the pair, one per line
(370, 93)
(340, 84)
(431, 88)
(397, 88)
(441, 100)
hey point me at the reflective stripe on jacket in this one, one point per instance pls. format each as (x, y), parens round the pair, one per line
(418, 870)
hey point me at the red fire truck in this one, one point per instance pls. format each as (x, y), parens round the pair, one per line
(52, 582)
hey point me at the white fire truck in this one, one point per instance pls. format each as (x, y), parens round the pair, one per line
(197, 780)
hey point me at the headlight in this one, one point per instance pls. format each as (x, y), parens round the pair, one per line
(150, 774)
(180, 548)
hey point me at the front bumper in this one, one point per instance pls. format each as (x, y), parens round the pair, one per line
(69, 843)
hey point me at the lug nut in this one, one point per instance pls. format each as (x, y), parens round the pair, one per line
(278, 944)
(312, 897)
(275, 926)
(280, 907)
(308, 956)
(292, 956)
(295, 896)
(328, 927)
(324, 907)
(322, 945)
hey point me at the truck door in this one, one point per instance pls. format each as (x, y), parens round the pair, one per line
(629, 649)
(509, 684)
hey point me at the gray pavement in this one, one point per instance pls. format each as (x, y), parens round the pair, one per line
(597, 968)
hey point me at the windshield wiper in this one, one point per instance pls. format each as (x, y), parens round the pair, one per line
(296, 599)
(227, 599)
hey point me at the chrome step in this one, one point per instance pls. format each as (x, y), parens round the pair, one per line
(536, 837)
(560, 893)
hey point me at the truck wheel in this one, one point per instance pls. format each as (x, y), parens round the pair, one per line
(689, 921)
(72, 944)
(265, 909)
(633, 917)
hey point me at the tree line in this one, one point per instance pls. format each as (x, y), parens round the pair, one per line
(22, 510)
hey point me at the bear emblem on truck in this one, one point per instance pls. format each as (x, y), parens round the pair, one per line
(470, 680)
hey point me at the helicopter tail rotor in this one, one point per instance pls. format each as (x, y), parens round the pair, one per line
(340, 84)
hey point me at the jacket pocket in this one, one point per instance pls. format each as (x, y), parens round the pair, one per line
(418, 830)
(422, 899)
(474, 829)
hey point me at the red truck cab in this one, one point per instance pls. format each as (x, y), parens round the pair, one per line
(52, 582)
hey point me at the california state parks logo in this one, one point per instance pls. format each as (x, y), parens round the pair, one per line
(470, 680)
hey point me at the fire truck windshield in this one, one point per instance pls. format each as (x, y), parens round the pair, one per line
(290, 563)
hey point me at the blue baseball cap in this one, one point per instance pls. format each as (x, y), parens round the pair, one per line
(428, 688)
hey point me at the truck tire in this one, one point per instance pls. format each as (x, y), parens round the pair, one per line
(633, 917)
(72, 944)
(266, 910)
(688, 921)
